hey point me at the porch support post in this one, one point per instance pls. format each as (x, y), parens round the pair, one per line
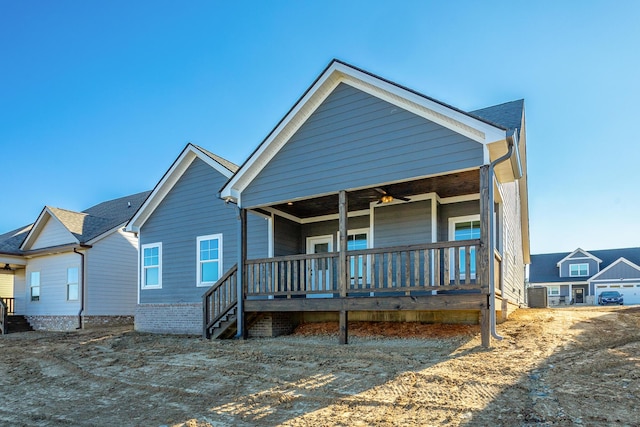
(343, 269)
(485, 255)
(241, 277)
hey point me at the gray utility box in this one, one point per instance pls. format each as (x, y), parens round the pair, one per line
(537, 297)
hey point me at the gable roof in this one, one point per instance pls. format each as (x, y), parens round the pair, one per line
(508, 115)
(577, 251)
(85, 227)
(544, 267)
(474, 126)
(621, 260)
(171, 177)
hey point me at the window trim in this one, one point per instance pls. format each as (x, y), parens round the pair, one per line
(578, 267)
(452, 237)
(354, 232)
(199, 282)
(76, 283)
(31, 286)
(551, 289)
(143, 268)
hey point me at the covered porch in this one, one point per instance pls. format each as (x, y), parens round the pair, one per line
(343, 252)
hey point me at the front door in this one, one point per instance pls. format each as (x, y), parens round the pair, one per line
(319, 279)
(578, 296)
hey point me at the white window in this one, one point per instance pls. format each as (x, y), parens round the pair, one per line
(553, 291)
(465, 228)
(72, 284)
(209, 259)
(357, 240)
(34, 284)
(578, 270)
(151, 266)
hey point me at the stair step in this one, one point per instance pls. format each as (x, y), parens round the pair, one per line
(18, 323)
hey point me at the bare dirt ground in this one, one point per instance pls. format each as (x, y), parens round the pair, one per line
(575, 366)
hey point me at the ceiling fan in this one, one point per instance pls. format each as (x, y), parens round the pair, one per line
(7, 267)
(386, 197)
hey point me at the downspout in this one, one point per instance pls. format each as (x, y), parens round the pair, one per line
(81, 288)
(511, 141)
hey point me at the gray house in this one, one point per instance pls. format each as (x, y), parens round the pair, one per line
(384, 204)
(578, 277)
(188, 239)
(71, 269)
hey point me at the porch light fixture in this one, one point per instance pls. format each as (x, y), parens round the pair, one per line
(387, 198)
(289, 203)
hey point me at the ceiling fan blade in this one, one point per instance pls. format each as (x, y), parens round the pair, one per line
(380, 190)
(404, 199)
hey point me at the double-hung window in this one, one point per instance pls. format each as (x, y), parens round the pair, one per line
(357, 240)
(209, 259)
(151, 275)
(34, 285)
(576, 270)
(72, 284)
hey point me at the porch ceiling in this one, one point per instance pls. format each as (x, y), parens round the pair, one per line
(456, 184)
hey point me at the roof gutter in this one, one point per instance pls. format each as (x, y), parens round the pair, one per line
(512, 141)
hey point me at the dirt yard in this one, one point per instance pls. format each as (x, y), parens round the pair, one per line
(576, 366)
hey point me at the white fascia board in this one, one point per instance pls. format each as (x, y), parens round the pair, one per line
(337, 73)
(39, 224)
(12, 259)
(587, 255)
(169, 180)
(610, 266)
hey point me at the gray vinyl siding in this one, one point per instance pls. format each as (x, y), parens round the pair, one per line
(20, 292)
(111, 274)
(354, 140)
(404, 224)
(619, 271)
(257, 236)
(513, 273)
(564, 266)
(53, 234)
(190, 209)
(451, 210)
(53, 285)
(331, 227)
(287, 236)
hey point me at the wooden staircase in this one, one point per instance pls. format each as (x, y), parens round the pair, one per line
(17, 323)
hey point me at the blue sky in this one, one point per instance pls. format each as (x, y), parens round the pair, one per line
(98, 98)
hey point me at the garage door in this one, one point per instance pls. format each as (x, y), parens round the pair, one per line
(630, 291)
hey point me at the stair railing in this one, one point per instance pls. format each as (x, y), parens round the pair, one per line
(4, 313)
(219, 300)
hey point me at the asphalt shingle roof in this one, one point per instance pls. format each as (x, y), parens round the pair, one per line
(224, 162)
(543, 267)
(85, 225)
(507, 115)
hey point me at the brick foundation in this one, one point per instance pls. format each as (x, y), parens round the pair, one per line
(70, 323)
(179, 319)
(273, 325)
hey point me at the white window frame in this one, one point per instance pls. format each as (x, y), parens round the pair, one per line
(452, 237)
(578, 267)
(76, 283)
(218, 237)
(353, 232)
(143, 267)
(32, 286)
(553, 291)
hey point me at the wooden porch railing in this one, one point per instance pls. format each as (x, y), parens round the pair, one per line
(428, 267)
(219, 300)
(9, 303)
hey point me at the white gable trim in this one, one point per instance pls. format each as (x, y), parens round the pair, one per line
(39, 225)
(169, 180)
(105, 234)
(586, 254)
(616, 262)
(335, 74)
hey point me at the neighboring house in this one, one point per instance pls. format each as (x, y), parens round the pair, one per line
(74, 269)
(580, 276)
(188, 238)
(384, 204)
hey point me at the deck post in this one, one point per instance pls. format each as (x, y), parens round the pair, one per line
(485, 255)
(241, 276)
(343, 270)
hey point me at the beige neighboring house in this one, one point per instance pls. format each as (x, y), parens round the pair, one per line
(70, 269)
